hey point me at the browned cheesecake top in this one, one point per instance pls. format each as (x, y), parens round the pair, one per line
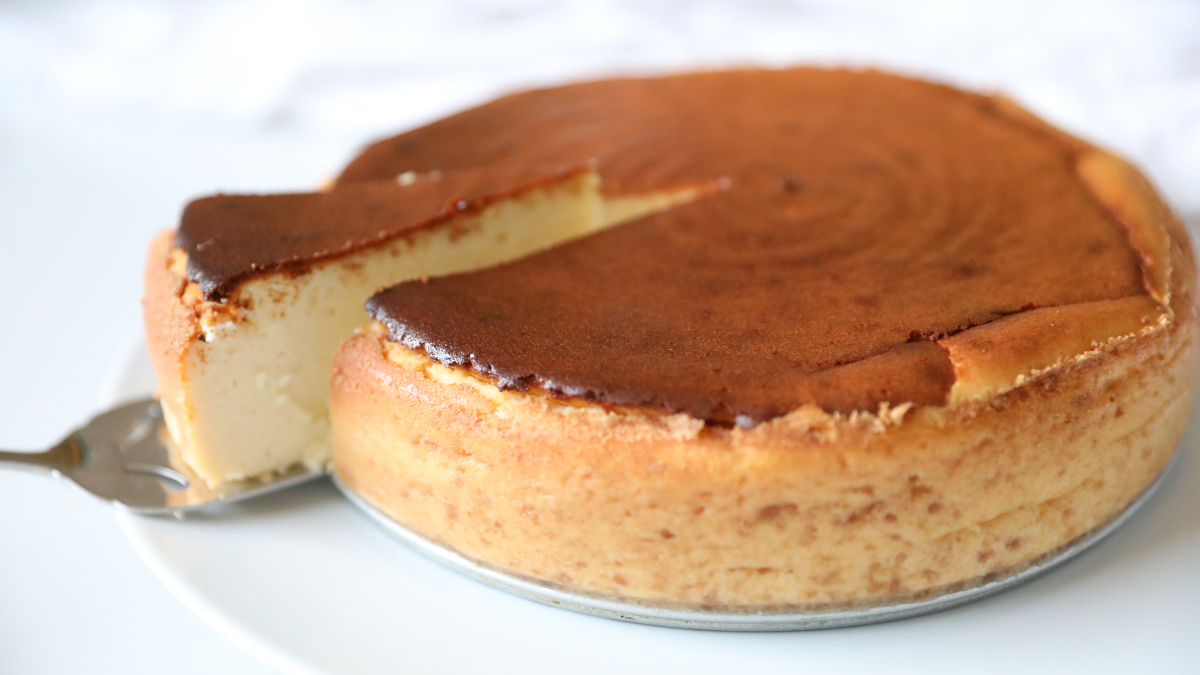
(866, 216)
(230, 238)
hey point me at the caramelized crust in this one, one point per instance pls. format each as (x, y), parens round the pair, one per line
(846, 237)
(228, 239)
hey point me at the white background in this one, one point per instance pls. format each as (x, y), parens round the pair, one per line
(114, 113)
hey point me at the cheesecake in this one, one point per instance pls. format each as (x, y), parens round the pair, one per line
(739, 340)
(919, 339)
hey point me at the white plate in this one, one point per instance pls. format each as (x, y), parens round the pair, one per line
(309, 584)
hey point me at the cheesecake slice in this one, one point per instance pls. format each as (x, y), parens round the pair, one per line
(247, 301)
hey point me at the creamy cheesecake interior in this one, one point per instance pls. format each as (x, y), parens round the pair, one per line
(246, 377)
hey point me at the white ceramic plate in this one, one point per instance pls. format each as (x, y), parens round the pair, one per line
(309, 584)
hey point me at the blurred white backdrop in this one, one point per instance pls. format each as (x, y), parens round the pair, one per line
(113, 113)
(1125, 73)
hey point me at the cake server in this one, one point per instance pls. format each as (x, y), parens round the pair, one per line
(124, 456)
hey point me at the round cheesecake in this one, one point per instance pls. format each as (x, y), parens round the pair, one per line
(885, 339)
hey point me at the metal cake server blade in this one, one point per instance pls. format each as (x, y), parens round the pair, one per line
(125, 456)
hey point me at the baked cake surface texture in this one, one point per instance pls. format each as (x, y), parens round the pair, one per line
(741, 339)
(917, 338)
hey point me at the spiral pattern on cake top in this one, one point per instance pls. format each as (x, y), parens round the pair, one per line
(866, 216)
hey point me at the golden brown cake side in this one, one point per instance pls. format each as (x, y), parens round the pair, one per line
(171, 325)
(805, 509)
